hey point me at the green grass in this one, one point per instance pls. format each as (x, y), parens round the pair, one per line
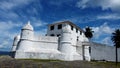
(42, 60)
(48, 63)
(91, 64)
(105, 64)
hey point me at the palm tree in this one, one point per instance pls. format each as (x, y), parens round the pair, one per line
(88, 33)
(116, 40)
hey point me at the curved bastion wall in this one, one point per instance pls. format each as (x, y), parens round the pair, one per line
(38, 43)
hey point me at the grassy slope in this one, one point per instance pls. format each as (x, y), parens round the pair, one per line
(7, 62)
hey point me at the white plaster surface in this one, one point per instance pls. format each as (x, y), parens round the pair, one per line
(103, 52)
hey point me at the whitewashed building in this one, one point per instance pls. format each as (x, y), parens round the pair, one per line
(63, 41)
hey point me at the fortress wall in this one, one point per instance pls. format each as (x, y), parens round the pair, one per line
(42, 47)
(103, 52)
(39, 43)
(46, 45)
(46, 38)
(46, 42)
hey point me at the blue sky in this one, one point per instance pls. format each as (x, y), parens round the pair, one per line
(103, 16)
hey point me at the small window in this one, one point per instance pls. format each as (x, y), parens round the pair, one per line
(77, 38)
(80, 32)
(52, 35)
(60, 26)
(52, 27)
(90, 50)
(71, 27)
(58, 35)
(76, 30)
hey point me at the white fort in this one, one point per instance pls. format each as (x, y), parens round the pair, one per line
(63, 41)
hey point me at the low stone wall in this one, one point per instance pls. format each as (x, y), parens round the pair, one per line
(103, 52)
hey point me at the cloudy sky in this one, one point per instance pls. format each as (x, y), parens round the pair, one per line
(102, 15)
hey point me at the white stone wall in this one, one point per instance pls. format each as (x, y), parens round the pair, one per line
(83, 50)
(27, 34)
(14, 48)
(74, 34)
(43, 47)
(37, 55)
(86, 53)
(25, 45)
(103, 52)
(46, 38)
(39, 43)
(15, 42)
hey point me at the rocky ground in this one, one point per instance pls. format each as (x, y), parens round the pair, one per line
(8, 62)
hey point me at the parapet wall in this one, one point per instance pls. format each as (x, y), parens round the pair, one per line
(46, 38)
(103, 52)
(45, 43)
(39, 43)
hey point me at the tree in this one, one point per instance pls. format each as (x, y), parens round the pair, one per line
(88, 32)
(116, 40)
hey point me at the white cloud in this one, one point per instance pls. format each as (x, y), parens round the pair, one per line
(109, 16)
(82, 3)
(102, 34)
(9, 4)
(8, 15)
(8, 30)
(107, 40)
(106, 29)
(9, 25)
(102, 30)
(4, 43)
(41, 32)
(39, 23)
(104, 4)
